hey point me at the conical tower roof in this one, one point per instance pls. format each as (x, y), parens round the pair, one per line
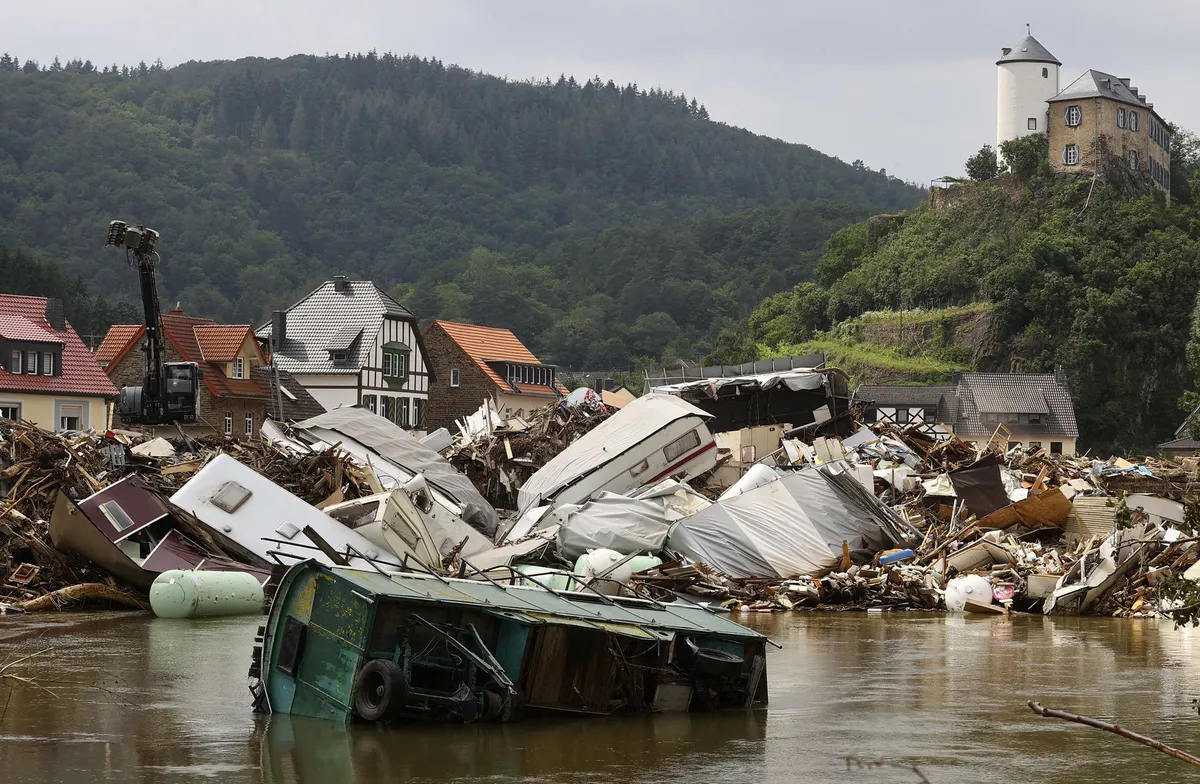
(1028, 51)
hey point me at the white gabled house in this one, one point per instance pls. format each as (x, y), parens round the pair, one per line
(349, 343)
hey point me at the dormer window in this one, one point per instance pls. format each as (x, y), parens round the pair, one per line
(238, 368)
(341, 345)
(34, 362)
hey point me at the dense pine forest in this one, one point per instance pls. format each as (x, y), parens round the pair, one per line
(587, 215)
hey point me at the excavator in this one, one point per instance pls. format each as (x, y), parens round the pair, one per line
(167, 395)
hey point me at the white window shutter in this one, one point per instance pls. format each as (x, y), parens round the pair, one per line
(1064, 154)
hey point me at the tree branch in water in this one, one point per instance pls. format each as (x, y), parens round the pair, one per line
(1116, 729)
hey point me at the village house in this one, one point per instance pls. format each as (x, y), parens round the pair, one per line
(237, 393)
(1098, 120)
(1035, 409)
(1182, 445)
(475, 363)
(349, 343)
(47, 376)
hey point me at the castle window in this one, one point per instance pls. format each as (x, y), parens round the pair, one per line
(1031, 124)
(1133, 159)
(1045, 73)
(1133, 121)
(1071, 154)
(1120, 117)
(1074, 116)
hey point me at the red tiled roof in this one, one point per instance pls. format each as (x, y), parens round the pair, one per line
(118, 341)
(198, 340)
(81, 374)
(484, 344)
(221, 342)
(20, 328)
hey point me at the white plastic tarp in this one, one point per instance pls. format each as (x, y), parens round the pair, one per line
(393, 443)
(782, 529)
(617, 522)
(618, 434)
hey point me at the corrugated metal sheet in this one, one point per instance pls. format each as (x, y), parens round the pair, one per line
(1091, 517)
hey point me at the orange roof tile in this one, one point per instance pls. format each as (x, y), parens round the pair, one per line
(118, 341)
(221, 342)
(484, 344)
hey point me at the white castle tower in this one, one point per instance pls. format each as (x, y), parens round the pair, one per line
(1026, 77)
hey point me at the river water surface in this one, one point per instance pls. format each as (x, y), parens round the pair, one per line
(166, 701)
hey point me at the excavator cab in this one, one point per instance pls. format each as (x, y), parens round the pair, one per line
(180, 385)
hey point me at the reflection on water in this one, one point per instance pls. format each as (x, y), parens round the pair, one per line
(166, 701)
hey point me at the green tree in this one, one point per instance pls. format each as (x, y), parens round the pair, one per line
(983, 164)
(1026, 156)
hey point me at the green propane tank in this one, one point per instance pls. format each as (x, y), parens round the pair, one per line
(196, 594)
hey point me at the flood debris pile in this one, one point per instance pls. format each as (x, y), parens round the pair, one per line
(499, 453)
(41, 471)
(645, 501)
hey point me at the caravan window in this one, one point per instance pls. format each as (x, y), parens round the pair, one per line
(113, 512)
(681, 446)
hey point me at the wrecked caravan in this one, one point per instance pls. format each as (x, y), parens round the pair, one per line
(398, 457)
(132, 533)
(646, 441)
(345, 645)
(240, 504)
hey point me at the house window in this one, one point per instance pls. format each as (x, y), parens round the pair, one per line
(681, 445)
(31, 359)
(1056, 447)
(1133, 120)
(1071, 154)
(395, 364)
(1035, 419)
(1031, 123)
(70, 417)
(239, 368)
(403, 421)
(1120, 117)
(47, 363)
(249, 424)
(371, 403)
(228, 423)
(1133, 159)
(10, 411)
(1035, 444)
(454, 378)
(901, 416)
(1074, 116)
(15, 365)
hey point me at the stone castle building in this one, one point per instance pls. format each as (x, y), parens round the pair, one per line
(1097, 120)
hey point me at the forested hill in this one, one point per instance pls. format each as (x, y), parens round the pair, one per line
(264, 176)
(1100, 278)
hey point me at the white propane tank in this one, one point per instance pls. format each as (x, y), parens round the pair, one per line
(971, 586)
(596, 562)
(197, 594)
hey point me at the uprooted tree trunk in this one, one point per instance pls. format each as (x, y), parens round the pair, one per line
(84, 593)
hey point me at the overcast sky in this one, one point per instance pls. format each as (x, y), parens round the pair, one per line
(906, 85)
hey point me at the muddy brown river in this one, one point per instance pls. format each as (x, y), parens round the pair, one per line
(138, 699)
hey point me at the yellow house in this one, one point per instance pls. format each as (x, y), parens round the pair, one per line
(47, 376)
